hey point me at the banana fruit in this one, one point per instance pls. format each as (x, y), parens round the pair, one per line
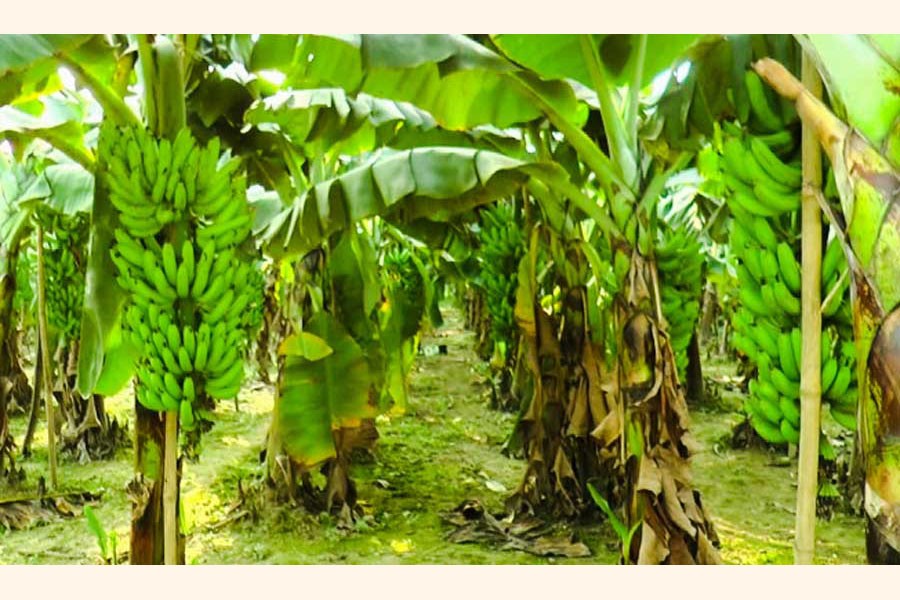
(64, 255)
(680, 262)
(183, 214)
(501, 247)
(762, 182)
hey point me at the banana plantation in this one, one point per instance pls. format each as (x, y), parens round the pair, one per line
(478, 299)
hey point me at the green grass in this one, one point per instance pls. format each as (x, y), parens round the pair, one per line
(445, 449)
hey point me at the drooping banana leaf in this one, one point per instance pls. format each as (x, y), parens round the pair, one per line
(71, 188)
(330, 115)
(60, 123)
(104, 353)
(20, 190)
(354, 274)
(317, 396)
(560, 55)
(27, 64)
(433, 183)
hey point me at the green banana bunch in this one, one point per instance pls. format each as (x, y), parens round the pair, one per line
(679, 260)
(406, 287)
(65, 240)
(762, 179)
(501, 247)
(192, 295)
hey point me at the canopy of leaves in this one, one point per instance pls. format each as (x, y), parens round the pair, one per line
(458, 81)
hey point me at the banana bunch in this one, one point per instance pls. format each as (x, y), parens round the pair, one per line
(762, 178)
(158, 183)
(192, 294)
(406, 288)
(679, 260)
(501, 247)
(65, 238)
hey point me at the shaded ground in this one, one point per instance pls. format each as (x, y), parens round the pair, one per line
(444, 450)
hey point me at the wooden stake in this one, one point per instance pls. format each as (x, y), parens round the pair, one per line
(45, 357)
(170, 490)
(811, 328)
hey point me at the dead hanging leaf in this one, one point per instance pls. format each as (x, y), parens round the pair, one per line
(706, 551)
(686, 497)
(653, 551)
(673, 505)
(609, 430)
(649, 477)
(579, 411)
(679, 553)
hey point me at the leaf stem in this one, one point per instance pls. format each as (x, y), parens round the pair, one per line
(112, 104)
(621, 150)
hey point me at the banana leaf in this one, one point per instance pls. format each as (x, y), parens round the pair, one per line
(317, 396)
(329, 115)
(458, 81)
(433, 183)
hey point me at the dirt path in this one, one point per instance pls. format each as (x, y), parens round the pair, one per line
(444, 450)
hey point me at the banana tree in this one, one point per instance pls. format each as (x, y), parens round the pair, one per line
(111, 341)
(625, 424)
(861, 75)
(16, 183)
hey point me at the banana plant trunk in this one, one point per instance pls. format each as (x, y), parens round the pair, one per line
(869, 187)
(676, 528)
(619, 425)
(9, 367)
(146, 491)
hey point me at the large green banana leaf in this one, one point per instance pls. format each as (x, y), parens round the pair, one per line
(455, 79)
(19, 190)
(862, 74)
(317, 396)
(328, 115)
(560, 56)
(64, 187)
(27, 64)
(432, 183)
(71, 188)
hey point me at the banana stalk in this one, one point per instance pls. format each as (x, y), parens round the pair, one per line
(868, 187)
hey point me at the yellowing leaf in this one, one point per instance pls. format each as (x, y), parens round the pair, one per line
(305, 345)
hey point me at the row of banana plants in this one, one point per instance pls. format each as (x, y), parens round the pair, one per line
(333, 159)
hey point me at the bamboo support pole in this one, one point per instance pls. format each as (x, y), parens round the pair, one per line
(170, 490)
(46, 378)
(811, 328)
